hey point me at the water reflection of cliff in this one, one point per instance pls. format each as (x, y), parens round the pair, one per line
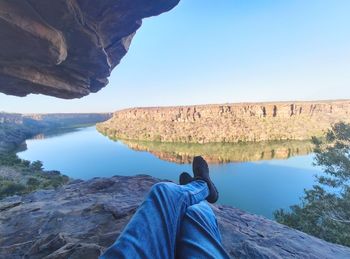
(223, 152)
(55, 133)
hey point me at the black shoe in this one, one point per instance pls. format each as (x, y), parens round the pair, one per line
(185, 178)
(201, 172)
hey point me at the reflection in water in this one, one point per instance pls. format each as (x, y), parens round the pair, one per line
(216, 153)
(56, 132)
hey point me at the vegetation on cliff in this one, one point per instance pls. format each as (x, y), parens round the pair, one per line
(325, 209)
(18, 176)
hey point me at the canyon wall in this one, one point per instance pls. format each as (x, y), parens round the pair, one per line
(227, 122)
(67, 48)
(16, 128)
(68, 119)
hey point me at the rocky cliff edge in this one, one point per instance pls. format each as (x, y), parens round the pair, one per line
(82, 218)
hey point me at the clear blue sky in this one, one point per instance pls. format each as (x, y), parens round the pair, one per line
(219, 51)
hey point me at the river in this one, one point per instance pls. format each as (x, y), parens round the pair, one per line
(258, 178)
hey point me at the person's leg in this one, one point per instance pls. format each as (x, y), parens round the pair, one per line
(152, 231)
(199, 235)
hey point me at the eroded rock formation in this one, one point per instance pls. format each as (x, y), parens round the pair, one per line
(67, 48)
(227, 122)
(81, 219)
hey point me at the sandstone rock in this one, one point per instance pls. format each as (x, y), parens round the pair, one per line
(227, 122)
(67, 48)
(82, 218)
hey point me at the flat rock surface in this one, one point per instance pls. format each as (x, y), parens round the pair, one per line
(82, 218)
(67, 48)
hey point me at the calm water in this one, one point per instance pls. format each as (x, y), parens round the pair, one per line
(260, 186)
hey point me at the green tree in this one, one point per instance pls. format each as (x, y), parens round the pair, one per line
(37, 165)
(325, 209)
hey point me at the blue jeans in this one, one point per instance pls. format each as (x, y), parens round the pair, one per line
(173, 221)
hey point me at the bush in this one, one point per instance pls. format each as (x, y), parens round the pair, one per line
(33, 182)
(32, 174)
(8, 188)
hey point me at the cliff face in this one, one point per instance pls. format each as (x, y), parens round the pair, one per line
(14, 129)
(67, 48)
(68, 119)
(227, 122)
(81, 219)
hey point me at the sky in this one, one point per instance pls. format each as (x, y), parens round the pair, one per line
(224, 51)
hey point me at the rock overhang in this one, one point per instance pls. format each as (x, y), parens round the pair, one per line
(67, 48)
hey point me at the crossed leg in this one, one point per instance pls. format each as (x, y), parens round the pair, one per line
(152, 231)
(199, 235)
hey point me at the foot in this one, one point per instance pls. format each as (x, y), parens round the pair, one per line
(201, 172)
(185, 178)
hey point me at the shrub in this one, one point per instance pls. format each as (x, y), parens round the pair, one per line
(325, 209)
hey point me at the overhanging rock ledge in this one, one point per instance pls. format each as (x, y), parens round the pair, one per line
(67, 48)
